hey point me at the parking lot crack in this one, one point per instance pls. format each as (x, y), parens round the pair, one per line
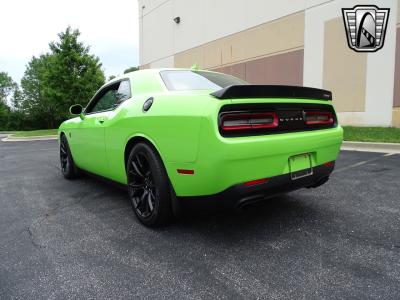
(32, 238)
(37, 223)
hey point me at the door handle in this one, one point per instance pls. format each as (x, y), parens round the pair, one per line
(101, 120)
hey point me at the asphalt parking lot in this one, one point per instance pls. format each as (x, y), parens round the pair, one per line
(79, 239)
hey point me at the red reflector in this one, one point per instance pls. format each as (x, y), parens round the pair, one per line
(254, 182)
(328, 164)
(183, 171)
(318, 117)
(241, 121)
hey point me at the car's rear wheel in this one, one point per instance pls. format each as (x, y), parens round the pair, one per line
(149, 188)
(68, 168)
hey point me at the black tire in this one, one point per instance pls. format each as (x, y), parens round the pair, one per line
(68, 168)
(149, 187)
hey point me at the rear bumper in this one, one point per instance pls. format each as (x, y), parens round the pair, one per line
(225, 162)
(240, 195)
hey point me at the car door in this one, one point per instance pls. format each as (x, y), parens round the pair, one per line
(90, 134)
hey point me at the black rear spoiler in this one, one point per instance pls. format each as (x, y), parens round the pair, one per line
(272, 91)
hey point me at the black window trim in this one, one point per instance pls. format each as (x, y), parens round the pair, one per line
(95, 98)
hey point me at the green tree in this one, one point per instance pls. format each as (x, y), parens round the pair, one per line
(131, 69)
(4, 115)
(52, 82)
(17, 99)
(7, 88)
(35, 87)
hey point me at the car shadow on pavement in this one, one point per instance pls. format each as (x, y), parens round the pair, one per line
(272, 216)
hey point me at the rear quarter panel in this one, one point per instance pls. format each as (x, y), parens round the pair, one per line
(172, 125)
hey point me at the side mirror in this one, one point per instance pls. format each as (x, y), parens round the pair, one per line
(76, 110)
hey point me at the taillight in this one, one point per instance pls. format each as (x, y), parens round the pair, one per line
(318, 117)
(243, 121)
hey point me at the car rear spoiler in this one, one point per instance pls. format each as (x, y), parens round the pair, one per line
(272, 91)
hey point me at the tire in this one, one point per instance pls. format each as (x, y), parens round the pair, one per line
(149, 188)
(68, 168)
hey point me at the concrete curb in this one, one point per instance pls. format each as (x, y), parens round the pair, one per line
(9, 138)
(371, 147)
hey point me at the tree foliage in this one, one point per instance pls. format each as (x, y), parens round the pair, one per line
(54, 81)
(7, 88)
(4, 115)
(67, 74)
(131, 69)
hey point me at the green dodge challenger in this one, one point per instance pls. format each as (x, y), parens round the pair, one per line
(180, 138)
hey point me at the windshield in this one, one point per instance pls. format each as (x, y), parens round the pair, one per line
(183, 80)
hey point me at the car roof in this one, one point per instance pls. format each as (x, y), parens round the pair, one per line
(148, 80)
(154, 71)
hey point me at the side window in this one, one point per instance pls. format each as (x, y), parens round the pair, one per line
(110, 97)
(106, 102)
(124, 91)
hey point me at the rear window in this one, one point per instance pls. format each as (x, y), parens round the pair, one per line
(183, 80)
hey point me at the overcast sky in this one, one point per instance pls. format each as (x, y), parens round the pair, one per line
(109, 27)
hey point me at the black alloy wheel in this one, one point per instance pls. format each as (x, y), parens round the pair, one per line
(148, 184)
(68, 168)
(63, 156)
(141, 185)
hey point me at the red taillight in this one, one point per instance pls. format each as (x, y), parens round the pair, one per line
(242, 121)
(254, 182)
(318, 117)
(328, 164)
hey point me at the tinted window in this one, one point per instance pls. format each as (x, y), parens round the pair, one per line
(106, 102)
(124, 91)
(181, 80)
(110, 97)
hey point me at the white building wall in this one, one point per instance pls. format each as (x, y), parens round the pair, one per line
(157, 31)
(203, 21)
(167, 62)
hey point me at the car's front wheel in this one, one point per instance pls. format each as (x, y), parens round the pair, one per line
(149, 188)
(68, 168)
